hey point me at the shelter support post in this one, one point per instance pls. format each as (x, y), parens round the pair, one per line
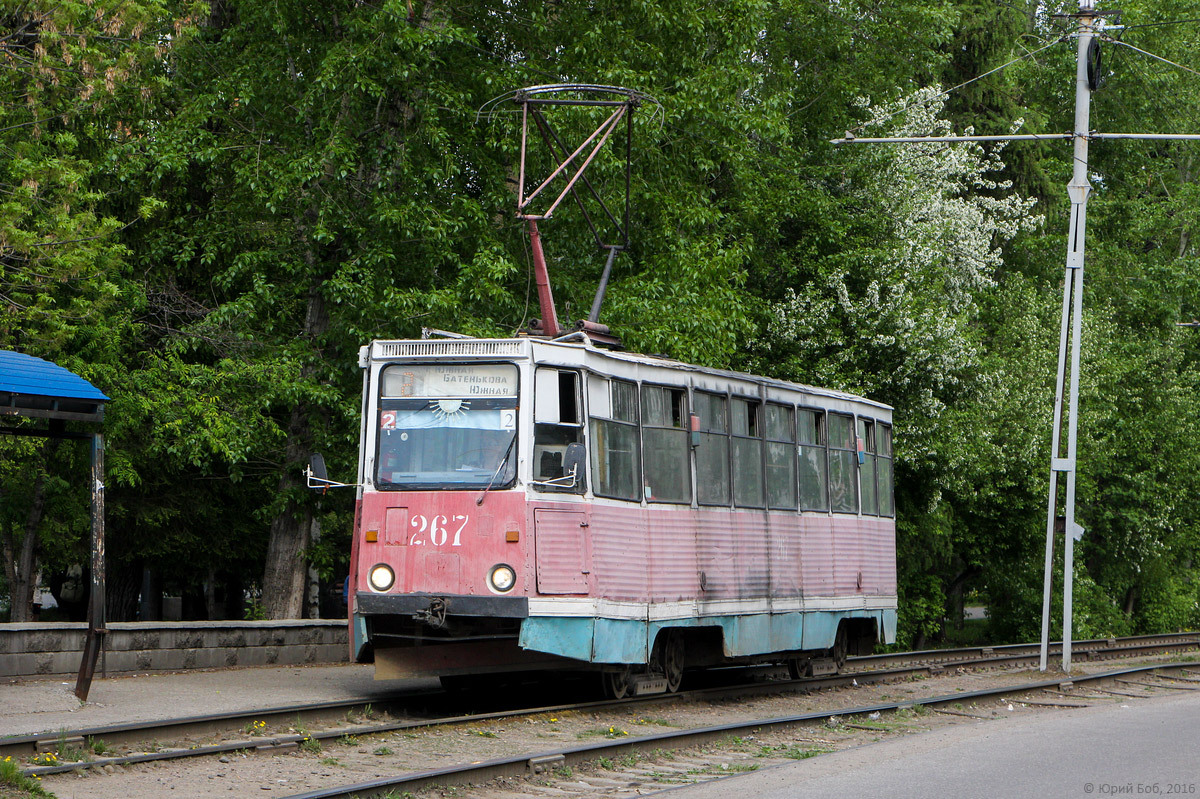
(96, 624)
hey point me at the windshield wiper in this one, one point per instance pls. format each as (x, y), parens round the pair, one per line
(504, 460)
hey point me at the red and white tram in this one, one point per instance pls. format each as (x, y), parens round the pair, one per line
(531, 504)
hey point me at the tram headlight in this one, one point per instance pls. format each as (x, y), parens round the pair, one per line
(502, 578)
(381, 577)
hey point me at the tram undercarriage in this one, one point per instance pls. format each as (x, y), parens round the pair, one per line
(456, 649)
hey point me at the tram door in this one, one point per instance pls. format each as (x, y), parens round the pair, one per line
(559, 534)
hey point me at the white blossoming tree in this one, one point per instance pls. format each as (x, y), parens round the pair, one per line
(894, 320)
(894, 313)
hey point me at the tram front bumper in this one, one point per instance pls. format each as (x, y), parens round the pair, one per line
(505, 607)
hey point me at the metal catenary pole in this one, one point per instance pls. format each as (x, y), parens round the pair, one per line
(1079, 188)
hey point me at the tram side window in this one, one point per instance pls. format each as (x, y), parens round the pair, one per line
(781, 457)
(665, 443)
(866, 470)
(887, 506)
(747, 454)
(616, 461)
(557, 423)
(712, 456)
(814, 488)
(843, 458)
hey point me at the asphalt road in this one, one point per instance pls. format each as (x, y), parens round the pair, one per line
(1140, 748)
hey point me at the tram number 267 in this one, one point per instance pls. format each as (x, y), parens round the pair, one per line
(437, 530)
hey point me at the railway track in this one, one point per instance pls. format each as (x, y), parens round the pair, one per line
(276, 730)
(663, 757)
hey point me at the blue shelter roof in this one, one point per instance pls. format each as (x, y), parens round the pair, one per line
(31, 386)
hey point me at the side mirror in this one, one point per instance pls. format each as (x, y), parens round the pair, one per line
(316, 467)
(318, 477)
(574, 460)
(572, 470)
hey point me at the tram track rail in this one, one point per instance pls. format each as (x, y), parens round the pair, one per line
(338, 715)
(526, 764)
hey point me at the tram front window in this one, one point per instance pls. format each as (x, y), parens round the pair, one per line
(447, 426)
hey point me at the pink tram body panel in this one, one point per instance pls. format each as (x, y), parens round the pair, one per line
(527, 504)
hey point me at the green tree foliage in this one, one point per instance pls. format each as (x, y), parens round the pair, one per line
(74, 74)
(207, 209)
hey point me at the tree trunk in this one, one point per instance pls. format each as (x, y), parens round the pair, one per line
(284, 576)
(954, 593)
(314, 578)
(21, 557)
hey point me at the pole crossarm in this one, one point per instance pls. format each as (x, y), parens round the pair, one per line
(1093, 135)
(852, 139)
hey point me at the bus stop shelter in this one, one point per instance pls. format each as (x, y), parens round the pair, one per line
(38, 389)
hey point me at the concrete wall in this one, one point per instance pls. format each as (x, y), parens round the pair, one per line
(55, 648)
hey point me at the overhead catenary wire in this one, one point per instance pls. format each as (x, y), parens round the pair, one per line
(1148, 53)
(946, 92)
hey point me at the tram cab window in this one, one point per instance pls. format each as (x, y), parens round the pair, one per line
(814, 487)
(446, 426)
(557, 424)
(780, 433)
(712, 455)
(747, 454)
(667, 470)
(883, 469)
(843, 460)
(866, 470)
(615, 453)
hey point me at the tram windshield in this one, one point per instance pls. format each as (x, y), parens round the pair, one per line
(447, 426)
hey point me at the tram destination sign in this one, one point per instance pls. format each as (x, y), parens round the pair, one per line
(450, 380)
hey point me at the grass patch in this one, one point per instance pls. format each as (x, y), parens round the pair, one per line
(912, 712)
(98, 746)
(310, 745)
(602, 732)
(802, 753)
(15, 785)
(657, 722)
(383, 751)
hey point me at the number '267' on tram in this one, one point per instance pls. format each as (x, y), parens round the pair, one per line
(527, 504)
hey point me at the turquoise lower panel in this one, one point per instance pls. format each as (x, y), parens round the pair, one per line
(630, 641)
(358, 637)
(569, 637)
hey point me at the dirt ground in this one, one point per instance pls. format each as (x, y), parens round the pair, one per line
(357, 759)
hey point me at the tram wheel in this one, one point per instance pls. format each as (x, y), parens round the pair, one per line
(841, 643)
(672, 660)
(617, 684)
(799, 668)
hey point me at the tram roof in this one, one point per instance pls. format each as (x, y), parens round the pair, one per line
(474, 348)
(31, 386)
